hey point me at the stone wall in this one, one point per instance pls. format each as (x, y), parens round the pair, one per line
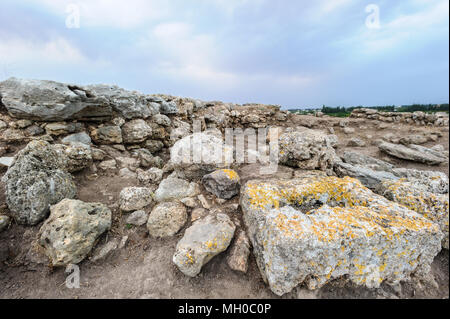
(416, 118)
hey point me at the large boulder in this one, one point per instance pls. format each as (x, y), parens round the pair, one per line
(223, 183)
(205, 239)
(72, 229)
(415, 153)
(37, 179)
(307, 149)
(315, 230)
(166, 219)
(52, 101)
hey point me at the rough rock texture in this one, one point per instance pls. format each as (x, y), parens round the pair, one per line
(79, 156)
(70, 232)
(36, 180)
(415, 195)
(138, 218)
(107, 135)
(415, 153)
(51, 101)
(355, 158)
(315, 230)
(134, 198)
(166, 219)
(432, 181)
(237, 258)
(368, 177)
(223, 183)
(175, 189)
(202, 241)
(200, 154)
(136, 131)
(153, 175)
(307, 149)
(130, 104)
(82, 137)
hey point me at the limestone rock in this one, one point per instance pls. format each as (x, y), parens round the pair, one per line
(166, 219)
(415, 195)
(205, 239)
(319, 229)
(72, 229)
(368, 177)
(224, 183)
(82, 137)
(136, 131)
(200, 154)
(240, 250)
(79, 156)
(107, 135)
(415, 153)
(306, 149)
(153, 175)
(129, 104)
(175, 189)
(37, 179)
(138, 218)
(51, 101)
(134, 198)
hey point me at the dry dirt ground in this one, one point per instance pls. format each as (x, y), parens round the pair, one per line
(144, 268)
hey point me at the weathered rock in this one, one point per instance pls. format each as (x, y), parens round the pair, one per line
(79, 156)
(127, 173)
(237, 258)
(108, 165)
(153, 175)
(224, 183)
(306, 149)
(198, 213)
(51, 101)
(107, 135)
(136, 131)
(319, 229)
(166, 219)
(169, 108)
(61, 128)
(162, 119)
(6, 161)
(431, 181)
(134, 198)
(354, 158)
(200, 154)
(130, 104)
(415, 195)
(356, 142)
(138, 218)
(205, 239)
(415, 153)
(82, 137)
(175, 189)
(148, 160)
(12, 135)
(154, 146)
(36, 180)
(105, 251)
(368, 177)
(349, 130)
(72, 229)
(4, 222)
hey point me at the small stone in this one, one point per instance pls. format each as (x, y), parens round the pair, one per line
(240, 250)
(175, 189)
(138, 218)
(108, 165)
(205, 203)
(166, 219)
(224, 183)
(82, 137)
(105, 251)
(136, 131)
(134, 198)
(198, 213)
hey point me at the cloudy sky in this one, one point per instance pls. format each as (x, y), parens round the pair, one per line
(292, 53)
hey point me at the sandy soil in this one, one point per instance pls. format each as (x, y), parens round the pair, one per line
(144, 269)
